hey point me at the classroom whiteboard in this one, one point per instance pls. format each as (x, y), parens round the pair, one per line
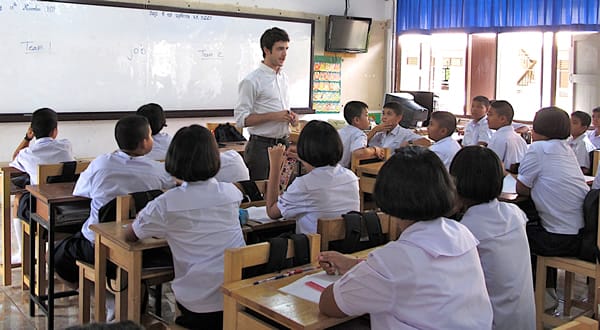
(99, 59)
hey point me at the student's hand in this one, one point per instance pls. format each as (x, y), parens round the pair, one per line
(285, 116)
(383, 127)
(332, 262)
(29, 133)
(276, 156)
(380, 152)
(291, 152)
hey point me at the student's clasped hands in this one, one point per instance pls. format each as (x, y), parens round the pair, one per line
(334, 262)
(276, 155)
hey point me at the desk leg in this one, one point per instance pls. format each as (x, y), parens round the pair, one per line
(40, 284)
(32, 279)
(5, 225)
(134, 287)
(230, 313)
(121, 296)
(50, 271)
(100, 277)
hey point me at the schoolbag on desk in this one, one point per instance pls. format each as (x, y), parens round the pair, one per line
(588, 250)
(227, 133)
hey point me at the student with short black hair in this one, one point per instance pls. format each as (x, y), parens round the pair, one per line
(389, 134)
(506, 143)
(477, 131)
(354, 139)
(579, 141)
(328, 190)
(442, 125)
(594, 135)
(199, 220)
(500, 229)
(156, 118)
(433, 268)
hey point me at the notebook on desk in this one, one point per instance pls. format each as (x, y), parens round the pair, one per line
(259, 214)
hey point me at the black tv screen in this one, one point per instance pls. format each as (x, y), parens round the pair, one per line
(347, 34)
(413, 115)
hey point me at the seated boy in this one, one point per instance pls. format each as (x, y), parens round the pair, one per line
(353, 136)
(477, 131)
(441, 127)
(156, 117)
(595, 134)
(110, 175)
(506, 143)
(389, 134)
(579, 141)
(46, 149)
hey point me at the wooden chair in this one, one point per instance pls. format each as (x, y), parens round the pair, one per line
(595, 161)
(335, 229)
(354, 162)
(153, 277)
(236, 260)
(571, 266)
(580, 323)
(7, 190)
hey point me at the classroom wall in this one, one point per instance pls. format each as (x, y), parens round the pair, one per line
(364, 76)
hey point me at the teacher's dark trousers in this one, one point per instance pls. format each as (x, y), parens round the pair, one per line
(256, 155)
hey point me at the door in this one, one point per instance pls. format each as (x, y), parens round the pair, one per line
(585, 75)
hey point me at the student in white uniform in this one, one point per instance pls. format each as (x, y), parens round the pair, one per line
(500, 229)
(46, 149)
(156, 117)
(477, 131)
(579, 140)
(354, 139)
(594, 135)
(389, 134)
(550, 174)
(233, 168)
(431, 276)
(199, 219)
(441, 127)
(110, 175)
(506, 143)
(328, 190)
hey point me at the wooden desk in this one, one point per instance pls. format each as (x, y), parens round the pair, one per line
(6, 190)
(237, 146)
(255, 232)
(111, 245)
(285, 309)
(44, 199)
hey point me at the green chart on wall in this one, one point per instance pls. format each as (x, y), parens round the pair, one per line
(327, 84)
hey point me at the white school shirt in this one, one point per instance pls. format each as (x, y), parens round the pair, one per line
(43, 151)
(582, 146)
(557, 185)
(477, 131)
(445, 148)
(324, 192)
(353, 138)
(159, 146)
(263, 91)
(595, 139)
(199, 220)
(115, 174)
(430, 278)
(233, 168)
(504, 254)
(393, 138)
(508, 145)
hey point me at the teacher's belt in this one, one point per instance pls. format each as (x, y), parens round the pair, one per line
(269, 140)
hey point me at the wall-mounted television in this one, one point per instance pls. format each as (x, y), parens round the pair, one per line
(414, 114)
(347, 34)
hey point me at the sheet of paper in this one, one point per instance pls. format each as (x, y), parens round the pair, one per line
(509, 185)
(259, 214)
(301, 290)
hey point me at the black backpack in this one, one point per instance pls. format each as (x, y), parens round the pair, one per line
(588, 250)
(227, 133)
(108, 212)
(352, 242)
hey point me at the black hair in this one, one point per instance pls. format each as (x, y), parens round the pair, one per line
(482, 99)
(503, 108)
(193, 154)
(584, 117)
(396, 107)
(43, 121)
(354, 109)
(478, 174)
(319, 144)
(130, 131)
(415, 185)
(596, 109)
(445, 120)
(552, 122)
(270, 37)
(155, 115)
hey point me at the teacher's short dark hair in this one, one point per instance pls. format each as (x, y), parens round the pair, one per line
(130, 131)
(319, 144)
(478, 174)
(43, 121)
(270, 37)
(155, 115)
(193, 154)
(415, 185)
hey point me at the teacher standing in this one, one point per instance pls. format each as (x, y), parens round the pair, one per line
(264, 104)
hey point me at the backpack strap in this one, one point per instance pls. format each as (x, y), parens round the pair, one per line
(277, 253)
(67, 175)
(352, 221)
(301, 249)
(373, 225)
(108, 212)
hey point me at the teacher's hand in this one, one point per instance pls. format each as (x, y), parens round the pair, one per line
(285, 116)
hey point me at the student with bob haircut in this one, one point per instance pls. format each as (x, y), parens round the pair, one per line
(328, 190)
(500, 229)
(433, 268)
(199, 220)
(156, 118)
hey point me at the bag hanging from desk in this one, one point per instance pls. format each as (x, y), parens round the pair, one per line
(277, 255)
(227, 133)
(352, 242)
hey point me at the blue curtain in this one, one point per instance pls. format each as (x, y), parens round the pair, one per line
(496, 15)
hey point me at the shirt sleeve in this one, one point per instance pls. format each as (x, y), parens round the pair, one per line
(376, 140)
(529, 169)
(245, 102)
(83, 187)
(499, 147)
(16, 163)
(358, 141)
(150, 222)
(292, 202)
(485, 134)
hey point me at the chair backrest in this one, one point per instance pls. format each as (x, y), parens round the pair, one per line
(236, 259)
(595, 161)
(125, 207)
(262, 188)
(50, 170)
(354, 162)
(335, 229)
